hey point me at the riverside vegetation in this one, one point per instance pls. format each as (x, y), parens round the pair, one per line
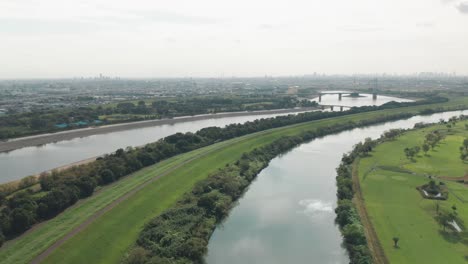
(391, 115)
(416, 202)
(57, 191)
(180, 235)
(45, 121)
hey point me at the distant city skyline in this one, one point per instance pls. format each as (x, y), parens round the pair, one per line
(207, 38)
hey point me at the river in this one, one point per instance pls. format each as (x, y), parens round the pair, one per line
(287, 214)
(26, 161)
(363, 100)
(34, 160)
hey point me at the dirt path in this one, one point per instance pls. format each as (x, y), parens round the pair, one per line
(96, 215)
(373, 242)
(42, 139)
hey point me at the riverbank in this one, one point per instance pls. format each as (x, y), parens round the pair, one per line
(146, 197)
(42, 139)
(410, 227)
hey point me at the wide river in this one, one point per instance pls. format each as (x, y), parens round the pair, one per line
(363, 100)
(34, 160)
(287, 214)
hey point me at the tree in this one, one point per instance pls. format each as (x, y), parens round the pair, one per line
(443, 219)
(454, 210)
(2, 197)
(2, 238)
(465, 144)
(194, 248)
(354, 234)
(395, 242)
(409, 152)
(425, 148)
(86, 186)
(21, 220)
(107, 176)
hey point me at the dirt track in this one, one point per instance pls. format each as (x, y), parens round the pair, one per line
(91, 219)
(85, 132)
(373, 242)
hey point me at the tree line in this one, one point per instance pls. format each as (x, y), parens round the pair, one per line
(16, 125)
(59, 190)
(181, 234)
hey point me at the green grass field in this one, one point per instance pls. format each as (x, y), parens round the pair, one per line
(396, 208)
(106, 239)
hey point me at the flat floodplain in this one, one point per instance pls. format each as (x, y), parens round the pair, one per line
(107, 239)
(388, 181)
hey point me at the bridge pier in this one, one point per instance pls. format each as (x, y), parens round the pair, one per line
(341, 109)
(331, 108)
(339, 96)
(320, 97)
(374, 96)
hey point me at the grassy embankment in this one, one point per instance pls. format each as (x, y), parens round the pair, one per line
(388, 182)
(105, 240)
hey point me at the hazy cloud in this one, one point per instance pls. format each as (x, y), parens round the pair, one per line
(167, 17)
(315, 208)
(463, 7)
(44, 26)
(360, 28)
(271, 26)
(426, 25)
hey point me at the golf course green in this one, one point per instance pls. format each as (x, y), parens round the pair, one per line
(397, 210)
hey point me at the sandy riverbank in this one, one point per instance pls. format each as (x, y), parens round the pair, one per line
(42, 139)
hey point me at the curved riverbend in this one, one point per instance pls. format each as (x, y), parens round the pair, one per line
(287, 215)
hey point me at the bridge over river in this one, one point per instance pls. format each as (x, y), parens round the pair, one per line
(332, 107)
(350, 94)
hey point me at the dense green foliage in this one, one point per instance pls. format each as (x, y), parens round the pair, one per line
(64, 188)
(170, 179)
(17, 125)
(190, 223)
(347, 216)
(181, 234)
(422, 223)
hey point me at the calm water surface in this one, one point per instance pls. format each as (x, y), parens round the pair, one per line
(366, 99)
(287, 215)
(33, 160)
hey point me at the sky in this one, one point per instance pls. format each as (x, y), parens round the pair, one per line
(216, 38)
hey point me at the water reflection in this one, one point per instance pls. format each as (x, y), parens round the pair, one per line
(33, 160)
(365, 99)
(287, 215)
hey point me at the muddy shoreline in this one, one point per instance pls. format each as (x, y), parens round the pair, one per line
(42, 139)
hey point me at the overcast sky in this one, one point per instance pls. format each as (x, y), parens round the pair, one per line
(181, 38)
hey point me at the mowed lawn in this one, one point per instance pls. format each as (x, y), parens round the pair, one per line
(110, 236)
(397, 209)
(107, 239)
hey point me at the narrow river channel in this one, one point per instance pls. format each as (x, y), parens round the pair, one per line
(287, 214)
